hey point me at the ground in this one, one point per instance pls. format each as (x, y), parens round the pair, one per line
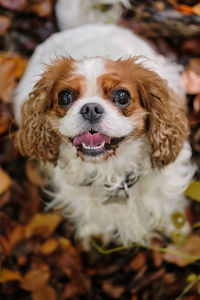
(39, 258)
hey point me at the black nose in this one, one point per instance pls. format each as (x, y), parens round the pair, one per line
(92, 111)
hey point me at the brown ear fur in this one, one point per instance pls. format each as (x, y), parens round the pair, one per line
(167, 122)
(36, 137)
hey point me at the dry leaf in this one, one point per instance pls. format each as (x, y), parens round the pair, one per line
(113, 290)
(186, 9)
(196, 9)
(4, 125)
(50, 246)
(138, 261)
(43, 8)
(11, 68)
(73, 289)
(44, 224)
(36, 278)
(5, 23)
(193, 190)
(47, 292)
(33, 174)
(9, 275)
(191, 76)
(16, 235)
(13, 4)
(196, 104)
(191, 247)
(5, 181)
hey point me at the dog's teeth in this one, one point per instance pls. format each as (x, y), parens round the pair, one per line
(93, 147)
(102, 144)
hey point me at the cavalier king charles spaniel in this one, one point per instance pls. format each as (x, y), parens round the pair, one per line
(105, 115)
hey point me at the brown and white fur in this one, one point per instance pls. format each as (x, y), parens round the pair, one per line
(93, 61)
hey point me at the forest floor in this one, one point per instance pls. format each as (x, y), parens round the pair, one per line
(39, 258)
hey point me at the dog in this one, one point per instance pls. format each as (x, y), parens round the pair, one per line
(106, 114)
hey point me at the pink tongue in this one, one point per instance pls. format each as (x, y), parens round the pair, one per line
(91, 139)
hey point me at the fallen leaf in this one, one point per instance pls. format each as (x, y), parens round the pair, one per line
(36, 278)
(43, 8)
(196, 104)
(13, 4)
(47, 292)
(191, 76)
(33, 174)
(4, 125)
(9, 275)
(115, 291)
(196, 9)
(49, 246)
(16, 235)
(186, 9)
(196, 147)
(193, 190)
(5, 23)
(191, 247)
(5, 198)
(5, 181)
(44, 224)
(157, 256)
(73, 289)
(11, 68)
(64, 243)
(138, 261)
(169, 278)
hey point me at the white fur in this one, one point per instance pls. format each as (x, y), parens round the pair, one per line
(72, 13)
(157, 193)
(90, 41)
(151, 202)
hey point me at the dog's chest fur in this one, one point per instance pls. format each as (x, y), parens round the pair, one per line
(89, 193)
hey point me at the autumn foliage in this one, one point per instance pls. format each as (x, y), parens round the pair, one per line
(39, 256)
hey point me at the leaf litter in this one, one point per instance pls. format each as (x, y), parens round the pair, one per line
(39, 256)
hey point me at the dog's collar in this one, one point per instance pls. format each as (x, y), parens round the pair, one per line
(122, 191)
(129, 181)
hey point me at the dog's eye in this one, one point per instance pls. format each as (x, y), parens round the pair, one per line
(121, 97)
(66, 97)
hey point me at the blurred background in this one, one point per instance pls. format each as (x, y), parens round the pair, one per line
(39, 258)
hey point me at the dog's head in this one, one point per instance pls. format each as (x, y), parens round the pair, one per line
(96, 105)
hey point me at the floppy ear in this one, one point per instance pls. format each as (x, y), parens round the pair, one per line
(36, 137)
(166, 119)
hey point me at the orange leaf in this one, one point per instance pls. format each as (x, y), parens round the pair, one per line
(32, 172)
(112, 290)
(49, 246)
(138, 261)
(196, 9)
(43, 8)
(186, 9)
(191, 76)
(11, 69)
(191, 247)
(47, 292)
(16, 235)
(36, 278)
(44, 224)
(5, 181)
(4, 125)
(9, 275)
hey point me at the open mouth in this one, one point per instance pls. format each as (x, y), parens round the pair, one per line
(92, 143)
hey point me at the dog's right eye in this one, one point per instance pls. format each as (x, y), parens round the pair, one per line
(66, 97)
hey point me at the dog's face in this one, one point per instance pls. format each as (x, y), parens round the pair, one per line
(97, 104)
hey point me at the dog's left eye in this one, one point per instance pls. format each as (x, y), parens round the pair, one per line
(66, 97)
(121, 97)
